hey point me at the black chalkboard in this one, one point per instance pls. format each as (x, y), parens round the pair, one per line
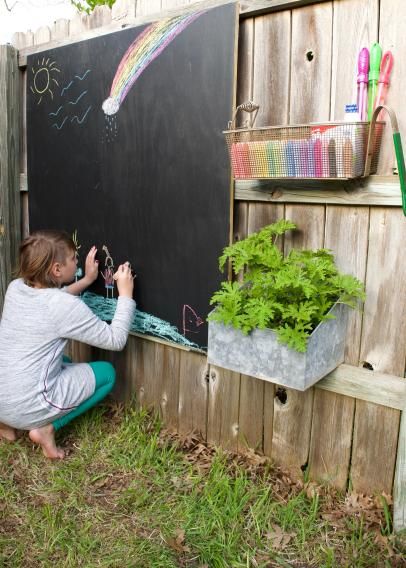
(152, 182)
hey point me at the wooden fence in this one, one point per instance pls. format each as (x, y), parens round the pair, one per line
(297, 60)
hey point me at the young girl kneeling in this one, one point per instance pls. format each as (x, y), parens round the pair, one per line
(39, 390)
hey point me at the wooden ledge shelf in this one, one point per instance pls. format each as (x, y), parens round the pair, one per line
(373, 190)
(370, 386)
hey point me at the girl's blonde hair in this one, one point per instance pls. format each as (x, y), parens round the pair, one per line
(39, 252)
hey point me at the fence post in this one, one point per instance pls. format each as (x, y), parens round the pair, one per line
(9, 165)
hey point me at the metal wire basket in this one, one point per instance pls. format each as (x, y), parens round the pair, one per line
(329, 150)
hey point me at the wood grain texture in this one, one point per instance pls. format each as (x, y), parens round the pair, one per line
(311, 64)
(193, 395)
(245, 67)
(399, 501)
(257, 7)
(145, 371)
(251, 413)
(374, 190)
(346, 234)
(253, 416)
(376, 428)
(355, 26)
(371, 386)
(330, 447)
(392, 37)
(223, 404)
(292, 419)
(168, 381)
(271, 61)
(9, 165)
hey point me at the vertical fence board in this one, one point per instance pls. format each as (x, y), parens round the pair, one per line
(346, 235)
(9, 165)
(293, 418)
(222, 413)
(21, 40)
(355, 26)
(60, 29)
(79, 24)
(193, 386)
(271, 65)
(42, 35)
(245, 67)
(254, 391)
(399, 489)
(145, 373)
(311, 63)
(101, 16)
(168, 381)
(376, 427)
(392, 36)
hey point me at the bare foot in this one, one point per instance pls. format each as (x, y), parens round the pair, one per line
(7, 433)
(45, 437)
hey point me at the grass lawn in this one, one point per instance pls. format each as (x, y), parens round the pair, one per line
(130, 494)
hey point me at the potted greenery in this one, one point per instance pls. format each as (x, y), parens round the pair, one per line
(286, 320)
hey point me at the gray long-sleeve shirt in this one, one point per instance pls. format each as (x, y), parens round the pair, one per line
(36, 387)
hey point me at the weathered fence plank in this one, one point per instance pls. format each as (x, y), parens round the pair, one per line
(333, 415)
(376, 428)
(355, 26)
(293, 416)
(223, 404)
(261, 415)
(374, 190)
(392, 17)
(9, 165)
(310, 68)
(399, 493)
(60, 29)
(193, 395)
(271, 62)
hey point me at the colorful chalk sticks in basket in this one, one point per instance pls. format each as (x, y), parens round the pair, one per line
(331, 150)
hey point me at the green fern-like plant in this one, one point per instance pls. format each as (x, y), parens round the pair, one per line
(290, 295)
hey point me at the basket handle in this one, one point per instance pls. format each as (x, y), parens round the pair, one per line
(397, 142)
(248, 106)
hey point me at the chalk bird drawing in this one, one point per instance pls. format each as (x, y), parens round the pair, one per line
(145, 48)
(74, 107)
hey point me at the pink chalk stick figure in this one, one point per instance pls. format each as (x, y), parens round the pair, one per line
(108, 273)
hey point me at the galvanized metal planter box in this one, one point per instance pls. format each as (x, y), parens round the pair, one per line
(259, 354)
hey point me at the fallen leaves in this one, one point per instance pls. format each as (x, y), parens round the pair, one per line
(279, 538)
(177, 542)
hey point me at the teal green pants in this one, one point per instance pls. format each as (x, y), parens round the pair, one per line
(105, 378)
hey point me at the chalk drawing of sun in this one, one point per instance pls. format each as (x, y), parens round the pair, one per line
(43, 81)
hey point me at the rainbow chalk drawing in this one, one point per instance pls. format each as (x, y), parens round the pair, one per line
(145, 48)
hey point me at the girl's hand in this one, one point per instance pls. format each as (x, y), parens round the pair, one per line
(91, 266)
(124, 279)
